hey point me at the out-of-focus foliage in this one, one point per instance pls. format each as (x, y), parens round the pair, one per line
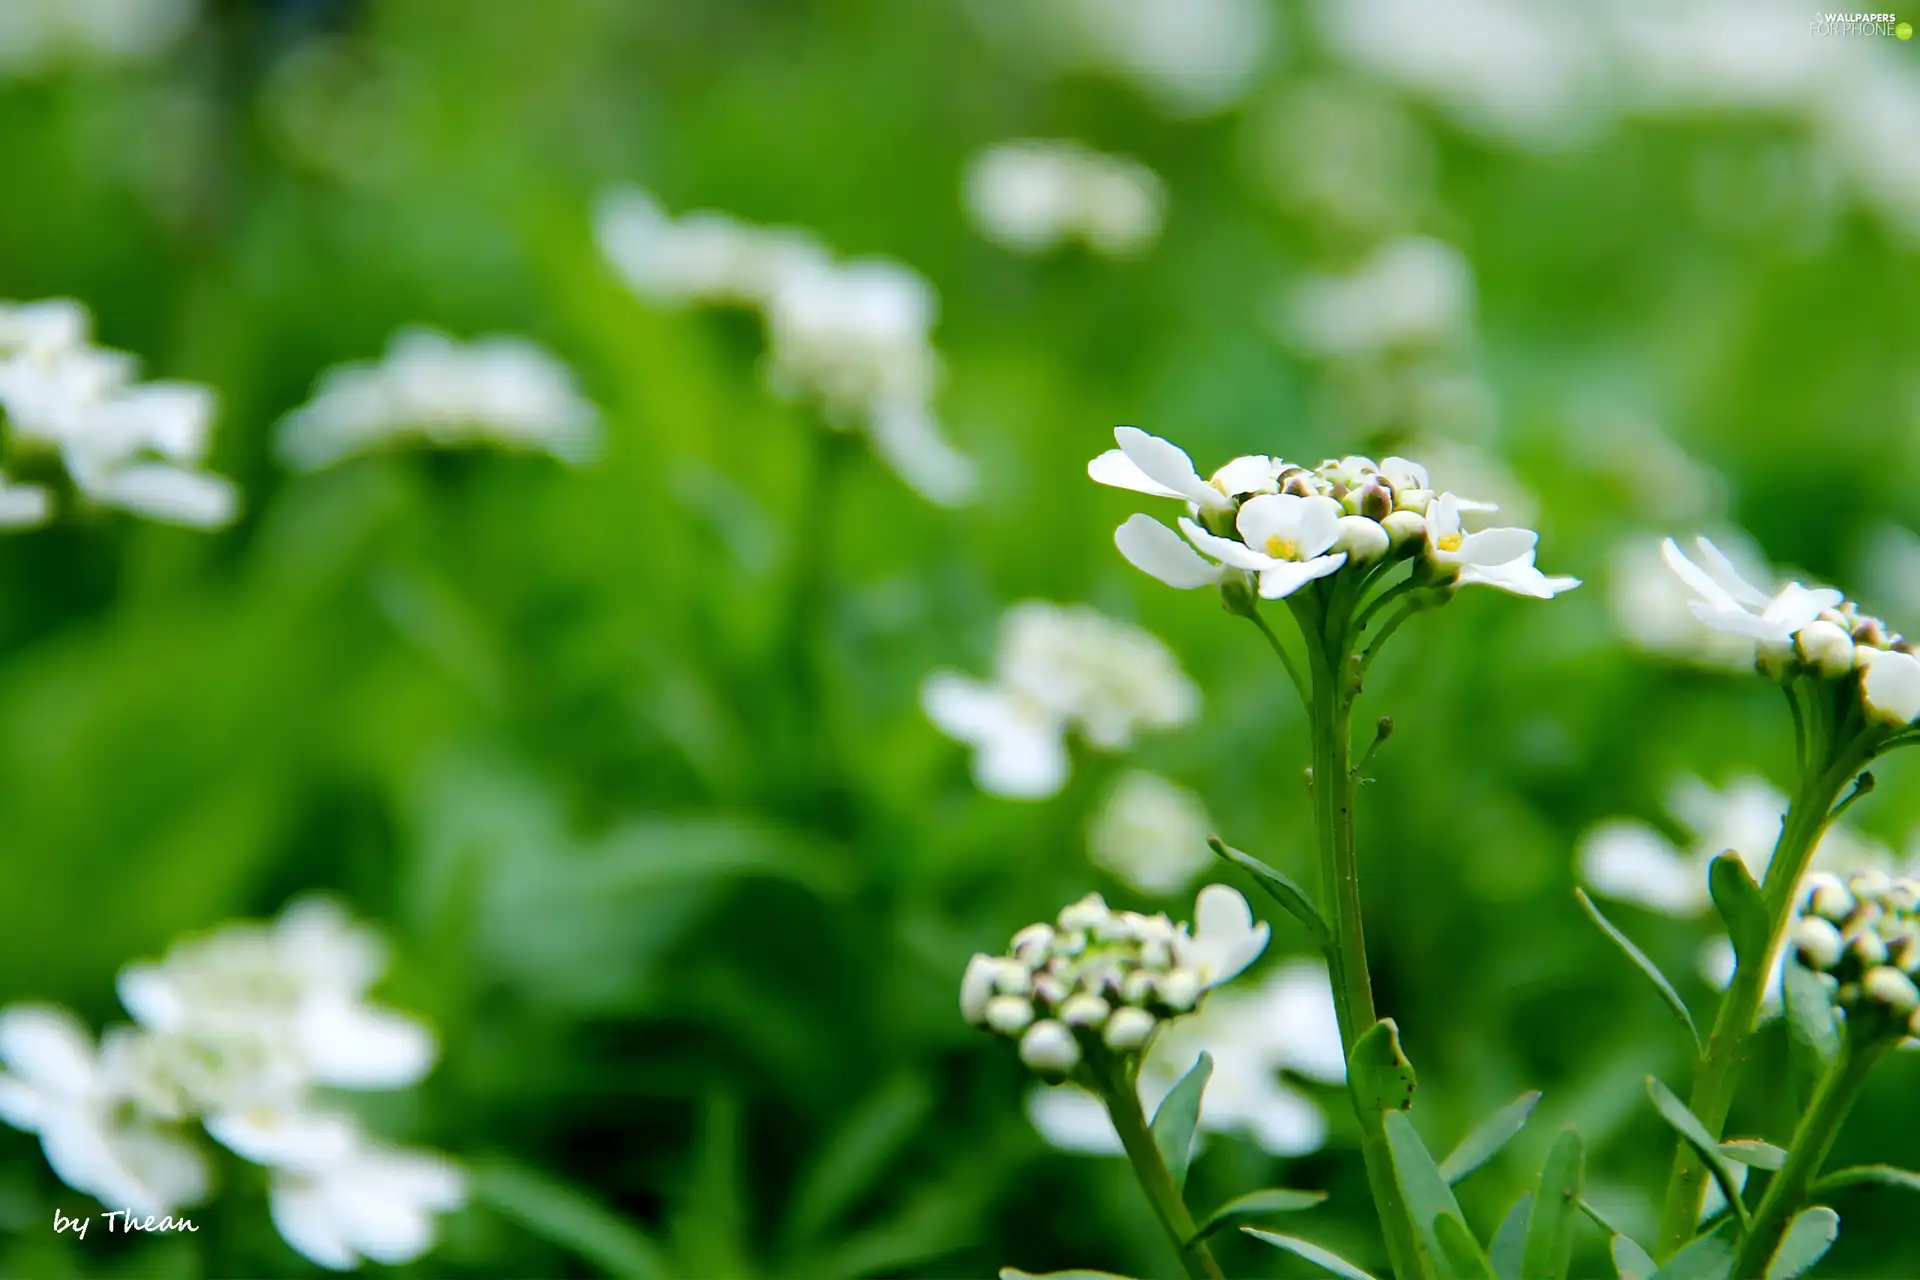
(630, 757)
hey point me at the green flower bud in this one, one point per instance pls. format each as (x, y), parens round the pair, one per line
(1009, 1015)
(1050, 1050)
(1084, 1011)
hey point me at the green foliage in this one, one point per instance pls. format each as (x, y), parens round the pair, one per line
(1738, 900)
(1329, 1262)
(1281, 888)
(1630, 1261)
(1177, 1117)
(1688, 1126)
(1804, 1242)
(1459, 1250)
(1427, 1194)
(1556, 1211)
(1488, 1138)
(573, 1221)
(1645, 965)
(1510, 1239)
(1706, 1257)
(1258, 1204)
(1378, 1072)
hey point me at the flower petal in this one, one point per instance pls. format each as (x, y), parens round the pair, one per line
(356, 1046)
(284, 1139)
(48, 1048)
(1229, 551)
(1285, 579)
(1024, 762)
(1072, 1119)
(1631, 862)
(1154, 549)
(965, 709)
(1168, 464)
(303, 1215)
(1115, 469)
(1252, 473)
(1319, 525)
(1728, 578)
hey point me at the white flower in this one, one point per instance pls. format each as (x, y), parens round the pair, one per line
(1286, 1022)
(1891, 686)
(1286, 540)
(58, 1087)
(1654, 608)
(1490, 551)
(1020, 749)
(499, 391)
(1630, 862)
(1147, 464)
(1032, 196)
(1151, 833)
(1190, 57)
(1412, 292)
(368, 1202)
(703, 257)
(1159, 552)
(1225, 938)
(1727, 602)
(1519, 577)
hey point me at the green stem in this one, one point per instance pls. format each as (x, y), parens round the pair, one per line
(1122, 1097)
(1813, 1138)
(1730, 1045)
(1286, 659)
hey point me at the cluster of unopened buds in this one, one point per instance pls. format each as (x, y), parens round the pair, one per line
(1862, 936)
(1098, 980)
(1287, 525)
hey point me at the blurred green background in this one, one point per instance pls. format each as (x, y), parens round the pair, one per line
(688, 911)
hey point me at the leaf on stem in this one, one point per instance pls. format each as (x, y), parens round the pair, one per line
(1599, 1219)
(1174, 1122)
(1510, 1241)
(1465, 1258)
(1805, 1241)
(1707, 1257)
(1258, 1204)
(1738, 899)
(1810, 1017)
(1378, 1072)
(1630, 1261)
(1688, 1126)
(1331, 1263)
(1427, 1194)
(1486, 1140)
(1281, 888)
(1754, 1154)
(1881, 1175)
(1646, 966)
(1549, 1245)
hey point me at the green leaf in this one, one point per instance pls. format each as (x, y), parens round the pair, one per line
(1281, 888)
(1738, 898)
(1463, 1253)
(1014, 1273)
(1549, 1247)
(562, 1215)
(1688, 1126)
(1754, 1153)
(1510, 1241)
(1810, 1017)
(1806, 1241)
(1484, 1143)
(1427, 1193)
(1599, 1219)
(856, 1154)
(1632, 1262)
(1257, 1204)
(1647, 966)
(1179, 1112)
(1707, 1257)
(1884, 1175)
(1378, 1072)
(1331, 1263)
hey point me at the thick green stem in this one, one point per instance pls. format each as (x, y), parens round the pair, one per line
(1130, 1122)
(1813, 1138)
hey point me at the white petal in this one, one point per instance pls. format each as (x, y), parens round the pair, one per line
(151, 996)
(1319, 524)
(965, 709)
(1229, 551)
(908, 438)
(1631, 862)
(1285, 1122)
(1491, 547)
(1168, 464)
(1891, 687)
(1072, 1119)
(1285, 579)
(161, 491)
(1298, 997)
(24, 506)
(48, 1048)
(1225, 938)
(284, 1138)
(1252, 473)
(303, 1214)
(23, 1106)
(156, 1172)
(1028, 762)
(1728, 578)
(1696, 578)
(1154, 549)
(1796, 606)
(356, 1046)
(1116, 469)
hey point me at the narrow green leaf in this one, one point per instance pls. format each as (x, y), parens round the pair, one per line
(1688, 1126)
(1738, 899)
(1179, 1112)
(1281, 888)
(1427, 1193)
(1485, 1142)
(1754, 1153)
(1707, 1257)
(1632, 1262)
(1646, 965)
(1549, 1247)
(1378, 1072)
(1463, 1253)
(855, 1156)
(563, 1215)
(1599, 1219)
(1258, 1204)
(1806, 1241)
(1510, 1241)
(1810, 1017)
(1884, 1175)
(1331, 1263)
(1014, 1273)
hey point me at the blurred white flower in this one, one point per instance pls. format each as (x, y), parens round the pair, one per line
(499, 391)
(367, 1202)
(1151, 833)
(39, 34)
(1032, 196)
(1410, 292)
(1890, 566)
(702, 257)
(1192, 57)
(132, 446)
(1726, 601)
(1653, 608)
(1285, 1023)
(1867, 114)
(1344, 153)
(1058, 668)
(1225, 937)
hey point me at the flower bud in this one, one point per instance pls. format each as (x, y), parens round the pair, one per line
(1084, 1011)
(1871, 883)
(1088, 913)
(1371, 499)
(1891, 988)
(1828, 896)
(1051, 989)
(1009, 1015)
(1362, 538)
(1050, 1049)
(1011, 978)
(976, 988)
(1128, 1029)
(1180, 990)
(1825, 647)
(1138, 987)
(1818, 943)
(1775, 659)
(1414, 500)
(1299, 482)
(1068, 945)
(1156, 954)
(1406, 530)
(1873, 633)
(1031, 943)
(1869, 948)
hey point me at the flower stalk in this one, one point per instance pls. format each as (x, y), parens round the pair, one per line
(1121, 1095)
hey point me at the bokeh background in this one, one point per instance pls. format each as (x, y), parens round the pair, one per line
(669, 852)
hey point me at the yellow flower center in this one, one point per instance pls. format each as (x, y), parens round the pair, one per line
(1283, 548)
(1450, 543)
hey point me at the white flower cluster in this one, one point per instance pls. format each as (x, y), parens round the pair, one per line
(237, 1031)
(1058, 667)
(1287, 525)
(38, 34)
(1099, 980)
(1862, 935)
(853, 337)
(1805, 630)
(1034, 196)
(1151, 833)
(499, 391)
(121, 443)
(1409, 292)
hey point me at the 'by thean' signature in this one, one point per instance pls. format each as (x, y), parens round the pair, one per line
(120, 1220)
